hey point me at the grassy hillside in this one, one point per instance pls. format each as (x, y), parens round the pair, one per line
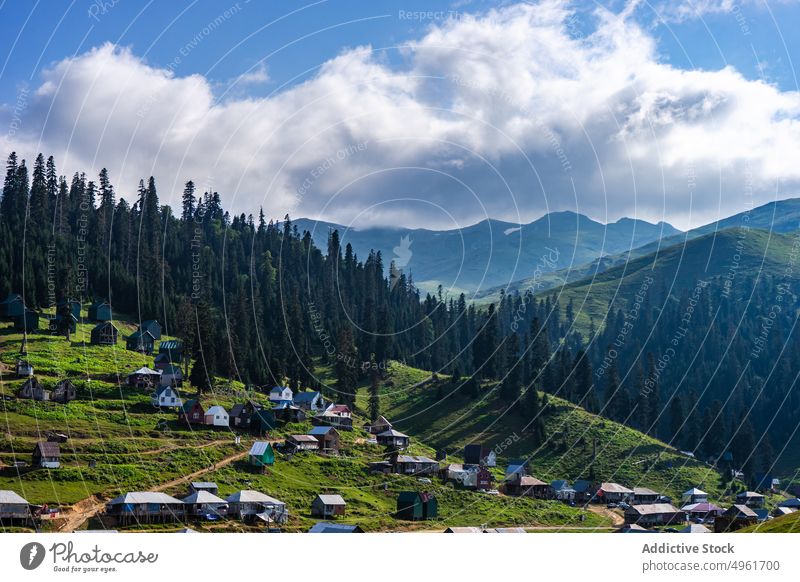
(445, 418)
(784, 524)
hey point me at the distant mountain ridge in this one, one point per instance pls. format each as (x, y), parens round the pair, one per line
(493, 252)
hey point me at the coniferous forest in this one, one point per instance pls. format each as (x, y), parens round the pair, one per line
(257, 301)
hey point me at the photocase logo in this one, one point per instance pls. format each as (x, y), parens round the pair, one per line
(402, 255)
(31, 555)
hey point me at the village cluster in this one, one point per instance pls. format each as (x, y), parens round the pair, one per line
(644, 510)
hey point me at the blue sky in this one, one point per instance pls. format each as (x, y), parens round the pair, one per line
(235, 53)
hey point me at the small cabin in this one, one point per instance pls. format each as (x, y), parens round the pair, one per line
(379, 426)
(217, 416)
(281, 394)
(192, 412)
(328, 506)
(172, 349)
(261, 421)
(751, 499)
(302, 442)
(64, 392)
(393, 438)
(416, 506)
(100, 311)
(261, 454)
(145, 507)
(32, 389)
(309, 401)
(167, 397)
(414, 465)
(46, 455)
(24, 369)
(171, 375)
(209, 486)
(141, 341)
(249, 505)
(12, 306)
(286, 412)
(104, 334)
(204, 505)
(239, 415)
(328, 438)
(27, 321)
(152, 327)
(644, 496)
(144, 378)
(654, 514)
(694, 495)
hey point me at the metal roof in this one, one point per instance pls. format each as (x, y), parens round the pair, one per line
(694, 491)
(250, 496)
(321, 430)
(305, 438)
(644, 491)
(327, 527)
(203, 484)
(146, 371)
(138, 497)
(170, 345)
(332, 499)
(216, 409)
(614, 488)
(393, 433)
(305, 396)
(11, 497)
(414, 459)
(202, 497)
(653, 508)
(259, 448)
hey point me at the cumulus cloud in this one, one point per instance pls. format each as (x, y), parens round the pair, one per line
(507, 114)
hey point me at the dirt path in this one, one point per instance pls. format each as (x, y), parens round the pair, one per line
(615, 517)
(191, 476)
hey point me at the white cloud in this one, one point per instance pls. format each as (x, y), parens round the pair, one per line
(499, 114)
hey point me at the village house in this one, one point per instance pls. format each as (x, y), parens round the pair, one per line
(334, 420)
(379, 426)
(751, 499)
(393, 438)
(694, 495)
(515, 466)
(167, 397)
(104, 334)
(309, 401)
(14, 509)
(100, 311)
(172, 349)
(204, 504)
(145, 507)
(339, 410)
(781, 511)
(644, 496)
(612, 493)
(654, 514)
(144, 378)
(216, 416)
(695, 528)
(24, 369)
(32, 389)
(328, 439)
(583, 490)
(328, 506)
(64, 392)
(793, 502)
(46, 455)
(280, 394)
(476, 454)
(325, 527)
(704, 511)
(161, 361)
(416, 506)
(736, 517)
(191, 412)
(287, 412)
(527, 486)
(28, 321)
(261, 455)
(562, 490)
(11, 307)
(239, 415)
(141, 341)
(302, 442)
(468, 476)
(261, 421)
(171, 376)
(209, 486)
(152, 327)
(414, 465)
(250, 505)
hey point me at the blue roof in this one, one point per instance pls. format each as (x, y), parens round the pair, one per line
(327, 527)
(320, 430)
(581, 485)
(560, 484)
(305, 396)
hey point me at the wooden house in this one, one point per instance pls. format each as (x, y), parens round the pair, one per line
(24, 369)
(414, 465)
(751, 499)
(562, 490)
(104, 334)
(393, 439)
(653, 514)
(64, 392)
(209, 486)
(145, 507)
(302, 442)
(261, 455)
(152, 327)
(161, 361)
(100, 311)
(262, 421)
(250, 505)
(281, 394)
(167, 397)
(28, 321)
(328, 506)
(144, 378)
(287, 412)
(612, 493)
(192, 412)
(239, 416)
(172, 349)
(204, 504)
(702, 510)
(171, 375)
(476, 454)
(334, 420)
(781, 511)
(416, 506)
(379, 426)
(528, 486)
(736, 517)
(644, 496)
(341, 410)
(694, 495)
(46, 455)
(325, 527)
(32, 389)
(11, 307)
(141, 341)
(217, 416)
(328, 438)
(14, 509)
(309, 401)
(73, 305)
